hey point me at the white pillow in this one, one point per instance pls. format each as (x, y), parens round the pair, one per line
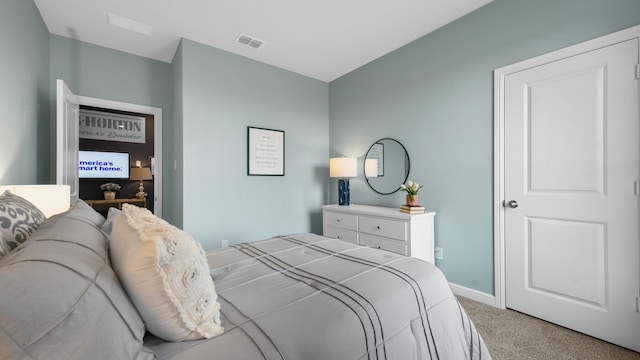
(165, 272)
(112, 215)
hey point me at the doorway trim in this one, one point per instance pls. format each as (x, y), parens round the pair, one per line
(157, 138)
(498, 125)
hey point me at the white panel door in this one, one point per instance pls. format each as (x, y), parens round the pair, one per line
(67, 137)
(572, 159)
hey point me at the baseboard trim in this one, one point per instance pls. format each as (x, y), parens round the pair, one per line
(472, 294)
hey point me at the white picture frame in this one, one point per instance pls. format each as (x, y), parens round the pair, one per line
(265, 152)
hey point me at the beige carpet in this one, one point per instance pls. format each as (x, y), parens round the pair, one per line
(511, 335)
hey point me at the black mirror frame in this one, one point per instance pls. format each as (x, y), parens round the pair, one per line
(406, 153)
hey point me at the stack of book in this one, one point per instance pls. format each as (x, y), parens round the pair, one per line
(412, 209)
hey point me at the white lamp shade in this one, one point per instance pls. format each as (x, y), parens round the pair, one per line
(50, 199)
(371, 168)
(343, 167)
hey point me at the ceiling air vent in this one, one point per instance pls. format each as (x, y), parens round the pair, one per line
(131, 25)
(249, 41)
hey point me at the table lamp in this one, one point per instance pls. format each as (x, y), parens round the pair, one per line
(141, 173)
(343, 168)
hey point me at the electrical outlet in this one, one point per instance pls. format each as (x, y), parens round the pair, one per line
(224, 243)
(438, 253)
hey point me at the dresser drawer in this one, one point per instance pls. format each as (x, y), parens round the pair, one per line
(345, 221)
(383, 227)
(384, 244)
(342, 234)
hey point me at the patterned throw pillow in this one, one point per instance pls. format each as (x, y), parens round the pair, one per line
(19, 218)
(166, 274)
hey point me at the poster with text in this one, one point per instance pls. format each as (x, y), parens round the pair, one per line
(100, 125)
(265, 152)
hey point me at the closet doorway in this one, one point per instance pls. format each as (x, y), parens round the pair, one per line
(68, 111)
(123, 140)
(154, 200)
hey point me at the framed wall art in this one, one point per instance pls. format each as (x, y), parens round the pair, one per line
(265, 152)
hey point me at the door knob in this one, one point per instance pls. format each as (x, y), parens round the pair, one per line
(511, 203)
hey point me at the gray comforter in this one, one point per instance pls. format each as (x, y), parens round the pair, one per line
(303, 297)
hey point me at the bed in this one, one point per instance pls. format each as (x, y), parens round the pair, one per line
(299, 296)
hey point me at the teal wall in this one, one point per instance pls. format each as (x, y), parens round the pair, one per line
(98, 72)
(222, 95)
(435, 96)
(208, 98)
(24, 94)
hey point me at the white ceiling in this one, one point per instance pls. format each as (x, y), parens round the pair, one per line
(320, 39)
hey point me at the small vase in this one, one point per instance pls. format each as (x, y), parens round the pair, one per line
(109, 195)
(412, 200)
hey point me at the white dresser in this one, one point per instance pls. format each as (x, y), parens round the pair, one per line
(381, 227)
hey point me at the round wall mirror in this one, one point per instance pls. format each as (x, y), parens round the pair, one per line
(386, 166)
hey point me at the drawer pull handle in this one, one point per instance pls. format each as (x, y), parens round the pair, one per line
(378, 227)
(337, 220)
(378, 247)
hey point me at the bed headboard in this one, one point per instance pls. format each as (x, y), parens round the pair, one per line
(50, 199)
